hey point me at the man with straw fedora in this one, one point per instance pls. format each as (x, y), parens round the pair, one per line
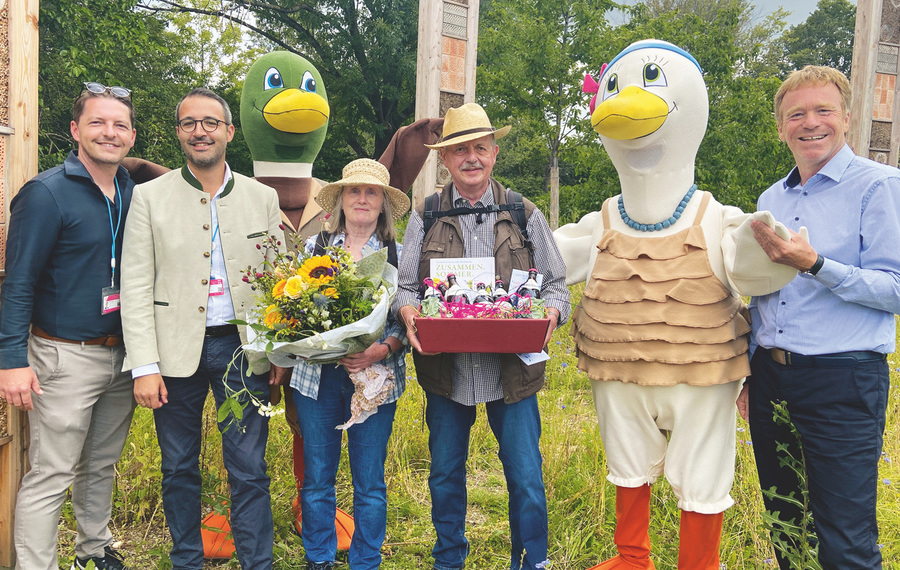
(475, 216)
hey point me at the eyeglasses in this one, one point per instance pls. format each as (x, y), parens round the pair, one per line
(98, 88)
(209, 124)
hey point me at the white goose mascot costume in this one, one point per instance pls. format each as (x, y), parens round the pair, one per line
(661, 329)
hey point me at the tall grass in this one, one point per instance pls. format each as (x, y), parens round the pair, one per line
(581, 502)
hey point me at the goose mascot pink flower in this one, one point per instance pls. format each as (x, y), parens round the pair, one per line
(661, 329)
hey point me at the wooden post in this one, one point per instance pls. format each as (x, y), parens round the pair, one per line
(448, 47)
(874, 112)
(18, 163)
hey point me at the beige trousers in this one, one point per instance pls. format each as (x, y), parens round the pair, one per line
(77, 430)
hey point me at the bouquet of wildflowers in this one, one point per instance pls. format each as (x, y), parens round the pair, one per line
(317, 307)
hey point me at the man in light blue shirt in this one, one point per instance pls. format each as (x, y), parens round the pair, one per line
(821, 341)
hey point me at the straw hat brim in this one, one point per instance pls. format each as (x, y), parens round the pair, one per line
(328, 195)
(452, 140)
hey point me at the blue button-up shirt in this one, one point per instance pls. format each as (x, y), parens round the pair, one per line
(851, 208)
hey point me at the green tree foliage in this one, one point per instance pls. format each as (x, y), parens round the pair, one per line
(365, 51)
(740, 155)
(529, 74)
(108, 42)
(825, 38)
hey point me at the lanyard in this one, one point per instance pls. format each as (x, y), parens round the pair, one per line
(114, 232)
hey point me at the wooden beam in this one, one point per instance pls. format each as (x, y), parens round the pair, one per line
(12, 464)
(862, 74)
(428, 87)
(21, 165)
(471, 49)
(23, 96)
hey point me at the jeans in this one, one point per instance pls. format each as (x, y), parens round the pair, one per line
(517, 428)
(367, 451)
(178, 428)
(840, 415)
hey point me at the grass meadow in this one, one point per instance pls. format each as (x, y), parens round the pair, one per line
(581, 502)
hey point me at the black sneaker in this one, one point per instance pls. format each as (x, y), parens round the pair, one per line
(319, 565)
(111, 561)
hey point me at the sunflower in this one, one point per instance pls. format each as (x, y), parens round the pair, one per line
(318, 270)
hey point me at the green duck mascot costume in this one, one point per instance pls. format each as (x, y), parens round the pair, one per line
(284, 118)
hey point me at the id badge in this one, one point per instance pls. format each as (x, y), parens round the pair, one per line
(110, 300)
(216, 287)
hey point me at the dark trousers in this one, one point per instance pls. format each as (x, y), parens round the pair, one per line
(179, 426)
(840, 415)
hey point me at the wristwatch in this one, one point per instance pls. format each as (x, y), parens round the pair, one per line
(820, 261)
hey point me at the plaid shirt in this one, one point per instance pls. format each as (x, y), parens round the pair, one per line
(476, 376)
(305, 378)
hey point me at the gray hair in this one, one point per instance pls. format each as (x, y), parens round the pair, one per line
(384, 227)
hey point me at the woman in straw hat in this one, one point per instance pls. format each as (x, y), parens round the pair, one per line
(363, 208)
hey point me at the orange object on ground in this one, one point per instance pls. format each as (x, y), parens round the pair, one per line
(632, 536)
(216, 533)
(343, 522)
(699, 539)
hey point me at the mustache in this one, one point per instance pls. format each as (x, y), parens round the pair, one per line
(201, 140)
(472, 165)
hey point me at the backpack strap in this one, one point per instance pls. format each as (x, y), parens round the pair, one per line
(431, 213)
(322, 241)
(515, 205)
(392, 252)
(517, 210)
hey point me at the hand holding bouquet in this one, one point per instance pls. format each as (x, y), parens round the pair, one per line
(318, 307)
(314, 307)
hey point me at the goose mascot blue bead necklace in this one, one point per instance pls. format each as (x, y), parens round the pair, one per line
(661, 329)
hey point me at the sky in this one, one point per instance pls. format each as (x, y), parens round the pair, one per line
(800, 8)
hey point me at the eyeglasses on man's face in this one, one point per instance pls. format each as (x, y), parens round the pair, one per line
(98, 88)
(209, 124)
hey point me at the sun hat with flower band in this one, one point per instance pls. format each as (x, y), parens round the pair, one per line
(466, 123)
(365, 172)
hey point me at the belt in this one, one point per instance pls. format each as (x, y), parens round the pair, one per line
(832, 360)
(108, 340)
(221, 330)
